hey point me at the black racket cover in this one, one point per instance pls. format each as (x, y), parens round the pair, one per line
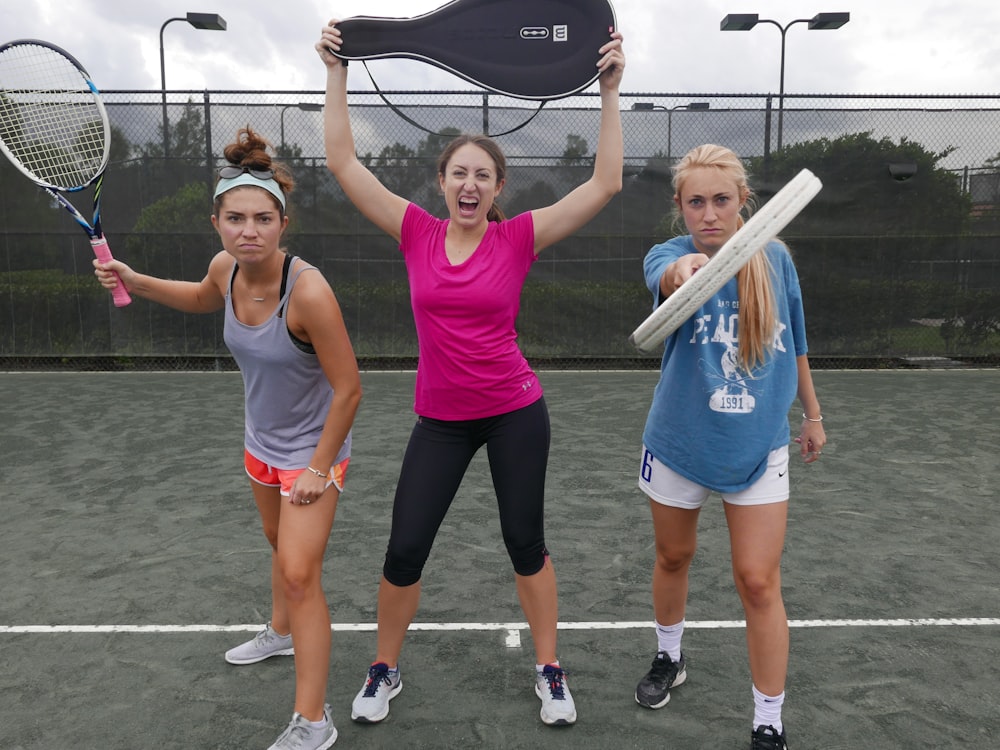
(528, 49)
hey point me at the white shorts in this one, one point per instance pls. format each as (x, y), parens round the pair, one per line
(665, 486)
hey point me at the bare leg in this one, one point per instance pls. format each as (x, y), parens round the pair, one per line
(302, 538)
(397, 606)
(757, 536)
(539, 601)
(268, 501)
(676, 532)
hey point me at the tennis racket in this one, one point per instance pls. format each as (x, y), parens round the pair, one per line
(763, 226)
(54, 129)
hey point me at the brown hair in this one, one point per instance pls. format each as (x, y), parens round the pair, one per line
(758, 310)
(492, 150)
(250, 150)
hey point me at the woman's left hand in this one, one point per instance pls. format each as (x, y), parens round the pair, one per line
(307, 489)
(812, 438)
(612, 62)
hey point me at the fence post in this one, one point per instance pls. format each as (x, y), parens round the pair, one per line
(767, 138)
(209, 158)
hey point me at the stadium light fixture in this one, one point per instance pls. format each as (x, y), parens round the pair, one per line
(690, 106)
(819, 22)
(739, 22)
(204, 21)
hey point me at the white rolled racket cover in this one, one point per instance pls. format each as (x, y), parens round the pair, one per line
(760, 229)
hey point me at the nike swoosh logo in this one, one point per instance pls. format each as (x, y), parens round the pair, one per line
(782, 473)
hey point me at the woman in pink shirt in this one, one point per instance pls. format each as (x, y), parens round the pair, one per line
(473, 385)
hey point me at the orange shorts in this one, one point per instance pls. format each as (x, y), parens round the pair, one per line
(270, 476)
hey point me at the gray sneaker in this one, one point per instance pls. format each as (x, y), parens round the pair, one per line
(558, 708)
(299, 735)
(371, 704)
(265, 644)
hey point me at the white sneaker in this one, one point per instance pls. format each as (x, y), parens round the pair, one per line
(301, 735)
(265, 644)
(558, 708)
(371, 704)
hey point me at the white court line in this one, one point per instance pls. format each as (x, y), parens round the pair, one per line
(510, 627)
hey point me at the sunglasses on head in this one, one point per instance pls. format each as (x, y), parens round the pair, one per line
(232, 171)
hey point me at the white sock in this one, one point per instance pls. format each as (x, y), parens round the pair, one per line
(318, 724)
(668, 638)
(540, 667)
(767, 709)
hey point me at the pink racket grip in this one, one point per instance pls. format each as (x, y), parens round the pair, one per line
(103, 252)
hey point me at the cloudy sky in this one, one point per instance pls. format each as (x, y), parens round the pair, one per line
(889, 46)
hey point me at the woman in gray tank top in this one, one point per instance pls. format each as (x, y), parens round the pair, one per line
(285, 330)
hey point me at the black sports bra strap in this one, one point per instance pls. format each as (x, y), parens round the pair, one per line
(284, 275)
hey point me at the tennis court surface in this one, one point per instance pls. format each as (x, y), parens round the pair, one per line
(132, 559)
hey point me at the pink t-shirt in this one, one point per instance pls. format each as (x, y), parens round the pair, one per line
(470, 366)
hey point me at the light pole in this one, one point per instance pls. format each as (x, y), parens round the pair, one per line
(210, 21)
(691, 106)
(305, 107)
(819, 22)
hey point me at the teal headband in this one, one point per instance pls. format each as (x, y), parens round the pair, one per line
(271, 186)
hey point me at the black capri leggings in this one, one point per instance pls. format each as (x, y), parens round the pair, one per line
(437, 456)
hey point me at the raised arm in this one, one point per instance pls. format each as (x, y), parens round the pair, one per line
(561, 219)
(382, 207)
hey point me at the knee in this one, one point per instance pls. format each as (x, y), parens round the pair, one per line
(528, 560)
(298, 577)
(525, 544)
(674, 559)
(403, 567)
(758, 589)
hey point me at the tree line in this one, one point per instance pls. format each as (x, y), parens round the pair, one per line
(875, 251)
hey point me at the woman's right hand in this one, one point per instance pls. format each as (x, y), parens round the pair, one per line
(329, 42)
(105, 273)
(680, 271)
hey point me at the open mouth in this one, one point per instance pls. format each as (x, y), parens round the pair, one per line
(467, 205)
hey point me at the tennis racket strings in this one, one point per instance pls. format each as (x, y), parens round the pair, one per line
(50, 117)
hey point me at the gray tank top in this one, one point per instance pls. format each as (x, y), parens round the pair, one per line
(287, 396)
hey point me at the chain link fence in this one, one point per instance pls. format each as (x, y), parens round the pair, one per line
(898, 255)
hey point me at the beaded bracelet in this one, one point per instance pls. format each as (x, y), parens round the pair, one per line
(808, 419)
(319, 473)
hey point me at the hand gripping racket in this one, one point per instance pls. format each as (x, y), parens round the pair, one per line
(54, 129)
(529, 49)
(762, 227)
